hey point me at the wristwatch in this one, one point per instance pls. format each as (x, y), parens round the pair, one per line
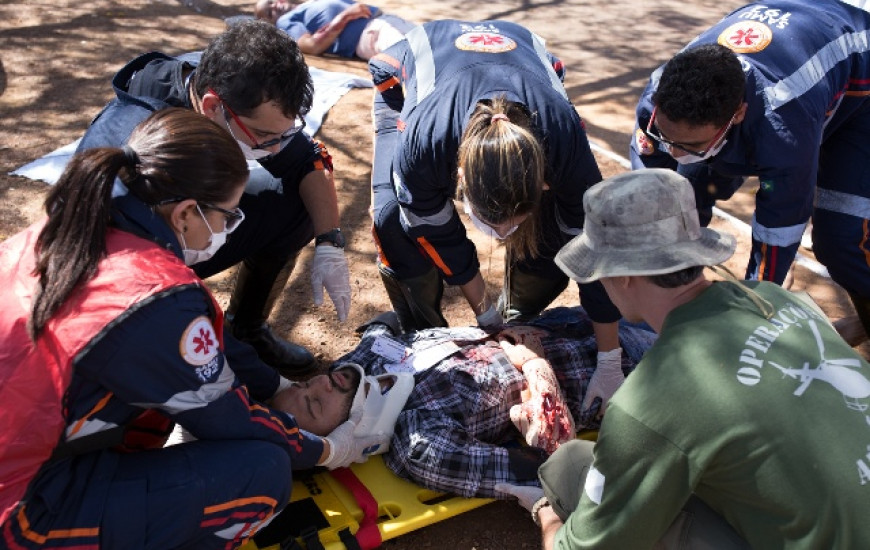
(536, 508)
(333, 236)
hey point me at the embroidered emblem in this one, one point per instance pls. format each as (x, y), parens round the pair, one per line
(199, 343)
(644, 144)
(486, 42)
(769, 16)
(746, 37)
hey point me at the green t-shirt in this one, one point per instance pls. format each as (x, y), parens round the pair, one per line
(766, 420)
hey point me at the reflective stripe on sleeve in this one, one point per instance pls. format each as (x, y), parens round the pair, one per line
(424, 61)
(815, 68)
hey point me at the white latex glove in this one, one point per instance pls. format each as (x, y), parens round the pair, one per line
(526, 496)
(329, 269)
(179, 435)
(490, 318)
(605, 381)
(345, 448)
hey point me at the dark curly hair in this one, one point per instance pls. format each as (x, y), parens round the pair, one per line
(701, 85)
(252, 63)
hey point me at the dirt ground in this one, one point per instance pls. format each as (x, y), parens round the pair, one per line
(57, 58)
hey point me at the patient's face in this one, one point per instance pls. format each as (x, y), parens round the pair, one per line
(321, 403)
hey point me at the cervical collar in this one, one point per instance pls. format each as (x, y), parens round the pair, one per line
(375, 410)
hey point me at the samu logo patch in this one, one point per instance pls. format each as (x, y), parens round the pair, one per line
(199, 347)
(485, 42)
(644, 144)
(199, 343)
(746, 37)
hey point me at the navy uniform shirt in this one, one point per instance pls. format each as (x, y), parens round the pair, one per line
(435, 77)
(155, 81)
(807, 67)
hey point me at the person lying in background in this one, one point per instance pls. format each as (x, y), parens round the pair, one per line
(339, 27)
(458, 430)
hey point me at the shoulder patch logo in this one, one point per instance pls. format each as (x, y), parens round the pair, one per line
(643, 142)
(199, 343)
(746, 37)
(485, 42)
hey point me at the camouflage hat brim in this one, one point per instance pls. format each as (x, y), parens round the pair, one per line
(642, 222)
(584, 264)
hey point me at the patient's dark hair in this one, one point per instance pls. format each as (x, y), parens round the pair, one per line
(355, 377)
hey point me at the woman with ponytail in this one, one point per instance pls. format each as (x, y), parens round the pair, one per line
(108, 338)
(477, 113)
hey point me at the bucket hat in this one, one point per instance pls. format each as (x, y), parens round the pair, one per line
(642, 222)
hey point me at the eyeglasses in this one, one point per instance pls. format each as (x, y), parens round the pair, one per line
(656, 135)
(298, 126)
(232, 218)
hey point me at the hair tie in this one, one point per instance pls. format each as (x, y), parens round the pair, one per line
(130, 155)
(499, 116)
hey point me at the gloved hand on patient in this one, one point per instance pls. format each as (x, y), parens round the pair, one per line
(606, 379)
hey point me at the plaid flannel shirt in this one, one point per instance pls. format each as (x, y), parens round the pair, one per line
(455, 434)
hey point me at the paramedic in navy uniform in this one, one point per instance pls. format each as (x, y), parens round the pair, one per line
(777, 90)
(252, 80)
(101, 356)
(477, 112)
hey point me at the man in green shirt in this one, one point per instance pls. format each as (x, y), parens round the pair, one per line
(749, 407)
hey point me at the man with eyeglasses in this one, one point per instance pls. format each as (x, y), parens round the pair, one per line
(777, 90)
(252, 80)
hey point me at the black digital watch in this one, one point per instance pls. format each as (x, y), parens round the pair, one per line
(333, 236)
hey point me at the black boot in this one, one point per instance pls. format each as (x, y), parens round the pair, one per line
(854, 328)
(524, 295)
(259, 283)
(416, 301)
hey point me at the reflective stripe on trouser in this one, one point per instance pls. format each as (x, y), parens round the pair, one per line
(204, 494)
(696, 527)
(841, 237)
(411, 281)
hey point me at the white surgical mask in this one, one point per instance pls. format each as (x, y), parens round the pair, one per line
(252, 154)
(484, 228)
(691, 159)
(215, 241)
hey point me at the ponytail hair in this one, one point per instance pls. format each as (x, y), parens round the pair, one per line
(174, 153)
(503, 164)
